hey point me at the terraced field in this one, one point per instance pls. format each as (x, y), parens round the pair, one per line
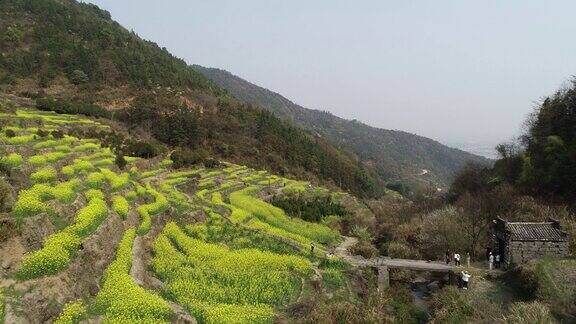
(157, 244)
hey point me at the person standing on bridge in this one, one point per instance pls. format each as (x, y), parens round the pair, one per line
(447, 256)
(490, 261)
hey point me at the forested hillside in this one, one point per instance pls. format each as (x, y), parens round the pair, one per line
(394, 155)
(73, 58)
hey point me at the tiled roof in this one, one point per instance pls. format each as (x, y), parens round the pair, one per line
(535, 232)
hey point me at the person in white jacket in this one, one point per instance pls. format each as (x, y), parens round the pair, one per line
(465, 279)
(490, 261)
(457, 259)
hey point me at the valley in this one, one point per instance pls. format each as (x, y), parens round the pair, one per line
(137, 187)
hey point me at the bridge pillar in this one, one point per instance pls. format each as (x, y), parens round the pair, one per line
(383, 277)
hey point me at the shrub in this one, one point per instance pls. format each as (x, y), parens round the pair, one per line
(402, 251)
(333, 278)
(450, 306)
(533, 312)
(365, 249)
(42, 133)
(57, 134)
(183, 157)
(120, 161)
(141, 149)
(78, 77)
(211, 163)
(63, 106)
(10, 133)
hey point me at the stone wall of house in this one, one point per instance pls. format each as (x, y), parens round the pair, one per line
(523, 251)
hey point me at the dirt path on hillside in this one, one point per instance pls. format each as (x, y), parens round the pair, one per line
(343, 250)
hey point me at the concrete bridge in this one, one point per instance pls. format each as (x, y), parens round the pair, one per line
(383, 264)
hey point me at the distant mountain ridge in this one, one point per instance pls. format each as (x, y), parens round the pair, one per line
(73, 57)
(393, 155)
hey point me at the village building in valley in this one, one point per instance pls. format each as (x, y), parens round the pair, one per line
(519, 242)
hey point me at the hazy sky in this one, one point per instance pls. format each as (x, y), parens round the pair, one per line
(455, 71)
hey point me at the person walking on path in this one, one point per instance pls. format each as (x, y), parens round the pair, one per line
(465, 279)
(457, 259)
(490, 261)
(468, 259)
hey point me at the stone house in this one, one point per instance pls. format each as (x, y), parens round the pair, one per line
(519, 242)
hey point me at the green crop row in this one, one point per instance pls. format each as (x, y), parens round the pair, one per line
(121, 206)
(43, 159)
(2, 305)
(152, 173)
(11, 161)
(123, 301)
(103, 162)
(102, 154)
(95, 180)
(159, 205)
(86, 147)
(78, 166)
(116, 181)
(71, 314)
(46, 174)
(32, 201)
(131, 159)
(59, 248)
(178, 199)
(19, 140)
(183, 174)
(92, 194)
(220, 285)
(66, 141)
(247, 219)
(276, 217)
(218, 230)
